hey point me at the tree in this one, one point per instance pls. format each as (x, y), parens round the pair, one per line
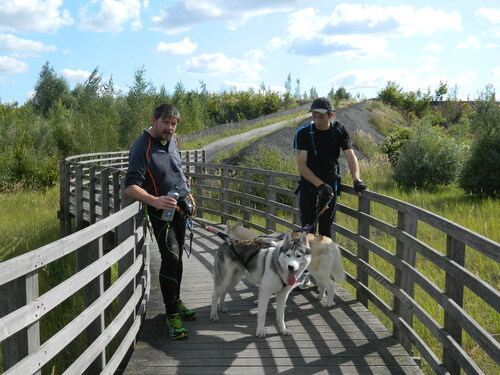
(140, 101)
(48, 90)
(391, 94)
(96, 118)
(288, 84)
(441, 91)
(481, 173)
(297, 89)
(341, 94)
(313, 93)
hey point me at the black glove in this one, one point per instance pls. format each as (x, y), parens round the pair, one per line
(325, 195)
(359, 186)
(185, 207)
(326, 190)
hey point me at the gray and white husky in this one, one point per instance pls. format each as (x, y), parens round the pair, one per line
(326, 260)
(274, 267)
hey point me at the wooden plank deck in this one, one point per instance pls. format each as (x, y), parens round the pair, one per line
(345, 339)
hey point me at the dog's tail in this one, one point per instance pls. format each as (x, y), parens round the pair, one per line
(338, 272)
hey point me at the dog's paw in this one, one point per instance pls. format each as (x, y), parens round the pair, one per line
(222, 308)
(327, 304)
(286, 332)
(261, 333)
(214, 317)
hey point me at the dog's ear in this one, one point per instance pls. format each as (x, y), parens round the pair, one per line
(288, 237)
(303, 238)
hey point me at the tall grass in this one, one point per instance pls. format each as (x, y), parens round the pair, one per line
(28, 220)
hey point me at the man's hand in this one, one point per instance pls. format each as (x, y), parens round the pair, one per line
(325, 190)
(325, 195)
(359, 187)
(186, 207)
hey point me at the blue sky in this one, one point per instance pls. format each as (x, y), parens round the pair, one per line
(239, 44)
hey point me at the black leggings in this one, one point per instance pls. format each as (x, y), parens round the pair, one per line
(170, 237)
(308, 195)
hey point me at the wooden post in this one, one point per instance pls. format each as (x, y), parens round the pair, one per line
(246, 190)
(270, 208)
(363, 253)
(123, 231)
(109, 237)
(224, 195)
(407, 253)
(91, 252)
(64, 213)
(13, 296)
(92, 198)
(455, 250)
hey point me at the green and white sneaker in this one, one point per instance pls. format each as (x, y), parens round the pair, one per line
(184, 312)
(175, 329)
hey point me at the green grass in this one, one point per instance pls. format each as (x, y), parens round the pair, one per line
(450, 202)
(28, 220)
(383, 118)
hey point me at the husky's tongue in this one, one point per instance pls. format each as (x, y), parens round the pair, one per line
(292, 279)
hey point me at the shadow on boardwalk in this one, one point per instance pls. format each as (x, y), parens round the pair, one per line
(345, 339)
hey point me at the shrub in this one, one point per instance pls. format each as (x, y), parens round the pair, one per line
(428, 157)
(481, 174)
(391, 146)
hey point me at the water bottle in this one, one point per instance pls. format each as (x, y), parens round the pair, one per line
(168, 215)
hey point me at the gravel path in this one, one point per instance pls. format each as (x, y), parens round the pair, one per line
(354, 118)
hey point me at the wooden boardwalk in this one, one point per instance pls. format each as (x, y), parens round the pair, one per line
(345, 339)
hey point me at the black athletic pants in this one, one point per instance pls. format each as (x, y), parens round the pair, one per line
(308, 195)
(170, 237)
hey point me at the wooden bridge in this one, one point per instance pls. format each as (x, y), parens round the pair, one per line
(426, 318)
(346, 339)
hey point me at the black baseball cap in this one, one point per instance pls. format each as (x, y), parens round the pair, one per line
(321, 105)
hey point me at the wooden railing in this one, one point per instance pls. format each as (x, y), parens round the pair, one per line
(383, 259)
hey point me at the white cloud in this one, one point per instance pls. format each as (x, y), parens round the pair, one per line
(218, 64)
(184, 47)
(33, 15)
(427, 64)
(357, 79)
(11, 43)
(400, 20)
(495, 73)
(9, 65)
(112, 15)
(275, 44)
(183, 15)
(466, 80)
(362, 31)
(471, 43)
(434, 47)
(75, 76)
(492, 15)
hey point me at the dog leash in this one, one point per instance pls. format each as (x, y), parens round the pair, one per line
(221, 235)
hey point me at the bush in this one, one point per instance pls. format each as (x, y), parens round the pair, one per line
(391, 146)
(428, 157)
(481, 174)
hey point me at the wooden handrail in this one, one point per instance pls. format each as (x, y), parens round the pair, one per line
(102, 227)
